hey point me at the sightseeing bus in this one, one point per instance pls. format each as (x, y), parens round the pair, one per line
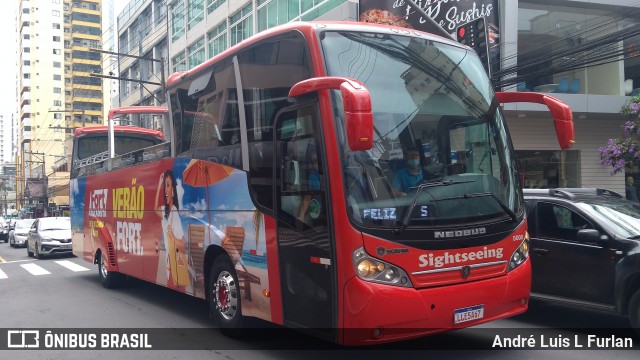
(275, 199)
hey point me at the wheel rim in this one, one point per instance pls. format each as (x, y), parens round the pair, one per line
(103, 267)
(225, 295)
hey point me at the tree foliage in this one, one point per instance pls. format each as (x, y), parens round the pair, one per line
(622, 151)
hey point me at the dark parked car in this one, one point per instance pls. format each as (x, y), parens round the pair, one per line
(585, 249)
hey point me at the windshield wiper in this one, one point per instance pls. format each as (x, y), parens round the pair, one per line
(419, 188)
(504, 206)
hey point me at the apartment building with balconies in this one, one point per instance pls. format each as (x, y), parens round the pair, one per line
(55, 87)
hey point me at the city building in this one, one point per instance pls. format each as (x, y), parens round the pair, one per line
(142, 36)
(582, 52)
(6, 138)
(56, 93)
(110, 59)
(7, 165)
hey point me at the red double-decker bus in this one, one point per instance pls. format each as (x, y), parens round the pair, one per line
(91, 144)
(354, 180)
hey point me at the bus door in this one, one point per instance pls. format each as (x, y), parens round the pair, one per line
(307, 264)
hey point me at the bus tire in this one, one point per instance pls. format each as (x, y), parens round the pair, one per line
(634, 311)
(109, 279)
(224, 297)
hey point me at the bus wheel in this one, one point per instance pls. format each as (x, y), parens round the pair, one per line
(109, 279)
(224, 297)
(634, 311)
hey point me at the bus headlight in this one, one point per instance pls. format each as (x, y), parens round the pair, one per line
(368, 268)
(521, 254)
(374, 270)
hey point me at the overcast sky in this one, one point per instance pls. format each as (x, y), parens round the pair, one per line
(8, 57)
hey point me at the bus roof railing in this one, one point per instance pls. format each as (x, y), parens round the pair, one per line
(91, 159)
(124, 110)
(118, 128)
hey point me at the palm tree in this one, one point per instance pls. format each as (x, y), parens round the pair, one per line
(257, 223)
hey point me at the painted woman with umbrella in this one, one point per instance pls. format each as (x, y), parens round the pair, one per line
(172, 231)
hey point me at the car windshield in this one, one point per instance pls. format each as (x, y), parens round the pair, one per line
(436, 123)
(24, 224)
(621, 216)
(55, 224)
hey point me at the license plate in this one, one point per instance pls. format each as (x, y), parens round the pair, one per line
(66, 247)
(468, 314)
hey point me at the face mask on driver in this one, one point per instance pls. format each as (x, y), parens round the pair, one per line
(413, 162)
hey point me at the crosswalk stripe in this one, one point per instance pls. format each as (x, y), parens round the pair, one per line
(35, 269)
(16, 261)
(71, 265)
(2, 275)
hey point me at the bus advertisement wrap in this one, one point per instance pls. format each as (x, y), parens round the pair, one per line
(167, 245)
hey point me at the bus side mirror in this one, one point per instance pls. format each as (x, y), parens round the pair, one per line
(561, 112)
(356, 102)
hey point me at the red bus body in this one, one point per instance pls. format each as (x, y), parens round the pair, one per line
(452, 253)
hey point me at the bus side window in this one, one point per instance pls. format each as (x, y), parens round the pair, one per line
(268, 69)
(290, 186)
(301, 178)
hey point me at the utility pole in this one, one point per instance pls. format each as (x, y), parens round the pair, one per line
(18, 176)
(44, 189)
(162, 80)
(37, 162)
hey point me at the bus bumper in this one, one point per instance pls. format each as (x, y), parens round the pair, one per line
(376, 313)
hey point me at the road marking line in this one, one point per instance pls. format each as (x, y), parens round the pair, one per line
(3, 275)
(16, 261)
(71, 265)
(35, 269)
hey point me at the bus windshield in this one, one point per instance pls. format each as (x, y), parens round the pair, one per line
(97, 143)
(441, 152)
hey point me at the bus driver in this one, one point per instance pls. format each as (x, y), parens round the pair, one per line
(409, 176)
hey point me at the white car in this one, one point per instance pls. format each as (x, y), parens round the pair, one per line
(4, 230)
(18, 233)
(48, 236)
